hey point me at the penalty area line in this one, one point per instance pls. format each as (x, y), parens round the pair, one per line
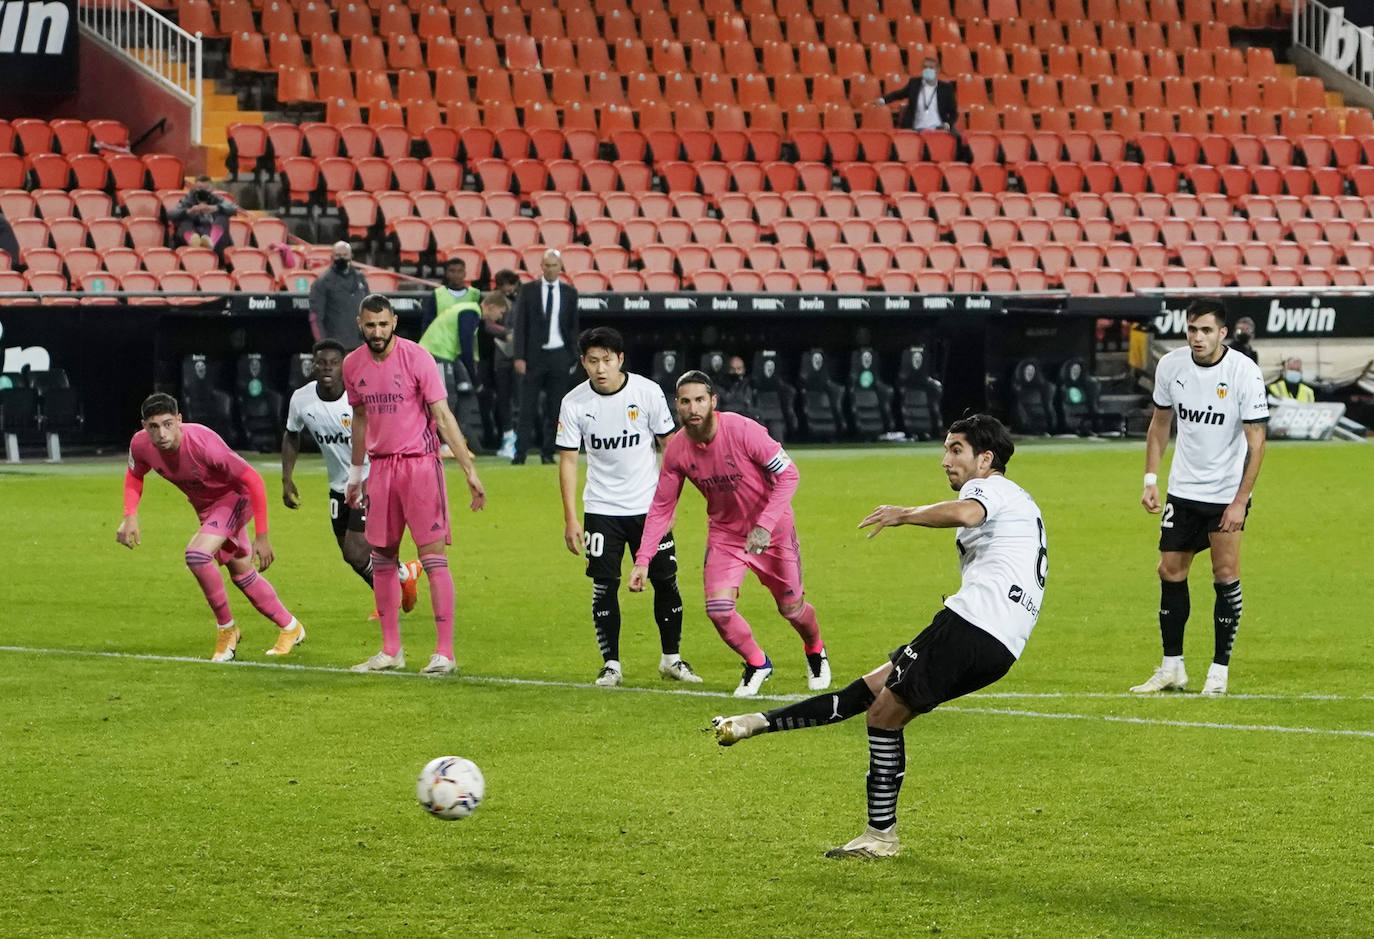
(689, 693)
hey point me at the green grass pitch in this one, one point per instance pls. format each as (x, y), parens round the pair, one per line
(149, 793)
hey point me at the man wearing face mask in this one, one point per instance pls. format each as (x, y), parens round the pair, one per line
(1240, 341)
(335, 298)
(930, 103)
(1290, 384)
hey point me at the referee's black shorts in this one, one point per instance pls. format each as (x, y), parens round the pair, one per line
(1186, 524)
(605, 538)
(343, 517)
(950, 658)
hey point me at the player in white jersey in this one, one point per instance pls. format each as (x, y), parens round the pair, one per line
(618, 417)
(1218, 397)
(973, 641)
(322, 408)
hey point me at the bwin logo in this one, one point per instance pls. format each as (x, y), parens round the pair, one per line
(625, 441)
(1201, 417)
(53, 17)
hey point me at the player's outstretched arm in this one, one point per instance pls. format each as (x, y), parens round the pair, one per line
(452, 434)
(290, 449)
(567, 488)
(1156, 439)
(956, 513)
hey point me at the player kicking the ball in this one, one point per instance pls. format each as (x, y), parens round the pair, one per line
(748, 481)
(222, 488)
(400, 412)
(619, 417)
(971, 642)
(320, 407)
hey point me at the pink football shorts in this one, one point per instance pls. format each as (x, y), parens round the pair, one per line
(228, 517)
(406, 492)
(778, 568)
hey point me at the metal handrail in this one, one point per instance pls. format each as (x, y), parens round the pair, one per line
(1325, 32)
(161, 49)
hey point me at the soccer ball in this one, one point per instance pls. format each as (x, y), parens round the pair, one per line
(450, 787)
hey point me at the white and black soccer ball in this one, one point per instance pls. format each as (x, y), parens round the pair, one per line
(450, 787)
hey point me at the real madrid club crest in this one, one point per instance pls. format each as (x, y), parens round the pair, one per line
(632, 412)
(1221, 389)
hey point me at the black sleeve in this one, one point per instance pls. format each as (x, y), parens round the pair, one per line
(574, 317)
(520, 318)
(901, 94)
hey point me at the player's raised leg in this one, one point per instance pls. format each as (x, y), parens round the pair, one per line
(1173, 617)
(816, 711)
(1226, 611)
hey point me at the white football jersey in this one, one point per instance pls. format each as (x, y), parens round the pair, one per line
(618, 431)
(1003, 562)
(1212, 403)
(331, 424)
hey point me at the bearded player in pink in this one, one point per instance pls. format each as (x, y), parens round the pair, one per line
(400, 412)
(748, 481)
(222, 488)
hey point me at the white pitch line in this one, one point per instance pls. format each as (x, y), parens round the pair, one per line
(683, 692)
(1206, 725)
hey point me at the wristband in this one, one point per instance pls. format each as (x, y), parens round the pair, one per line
(355, 475)
(1152, 479)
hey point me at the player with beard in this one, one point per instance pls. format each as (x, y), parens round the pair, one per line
(320, 407)
(400, 414)
(748, 481)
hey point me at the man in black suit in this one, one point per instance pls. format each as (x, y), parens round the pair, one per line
(930, 103)
(546, 328)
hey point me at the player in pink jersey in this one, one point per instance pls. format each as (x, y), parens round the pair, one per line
(222, 488)
(748, 481)
(400, 413)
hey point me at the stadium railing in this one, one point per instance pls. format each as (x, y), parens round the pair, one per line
(168, 53)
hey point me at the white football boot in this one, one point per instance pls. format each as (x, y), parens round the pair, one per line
(871, 844)
(1215, 685)
(731, 730)
(1168, 677)
(381, 662)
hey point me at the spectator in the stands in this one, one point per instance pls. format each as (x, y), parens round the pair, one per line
(335, 298)
(1290, 384)
(202, 218)
(1240, 339)
(930, 103)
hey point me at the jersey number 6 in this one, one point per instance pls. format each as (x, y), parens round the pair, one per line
(1042, 560)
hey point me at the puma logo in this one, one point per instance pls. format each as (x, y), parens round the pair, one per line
(834, 707)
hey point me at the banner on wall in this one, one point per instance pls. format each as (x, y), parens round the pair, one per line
(1288, 316)
(38, 46)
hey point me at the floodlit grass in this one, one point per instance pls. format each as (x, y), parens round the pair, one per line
(145, 795)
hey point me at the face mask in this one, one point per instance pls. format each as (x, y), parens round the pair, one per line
(928, 74)
(1292, 377)
(341, 265)
(1242, 339)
